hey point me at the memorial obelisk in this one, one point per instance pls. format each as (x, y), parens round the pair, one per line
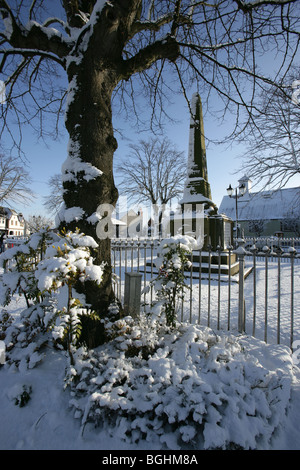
(199, 212)
(197, 188)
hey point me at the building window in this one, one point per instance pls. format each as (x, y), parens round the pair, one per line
(289, 225)
(256, 226)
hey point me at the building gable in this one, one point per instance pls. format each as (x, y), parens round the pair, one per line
(265, 205)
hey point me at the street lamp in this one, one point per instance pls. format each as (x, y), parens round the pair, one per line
(233, 192)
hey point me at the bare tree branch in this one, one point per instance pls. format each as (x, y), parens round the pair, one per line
(32, 37)
(14, 182)
(145, 58)
(216, 39)
(248, 6)
(153, 172)
(54, 200)
(273, 145)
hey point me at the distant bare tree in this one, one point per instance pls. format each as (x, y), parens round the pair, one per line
(291, 225)
(14, 181)
(256, 226)
(38, 222)
(54, 201)
(154, 172)
(273, 142)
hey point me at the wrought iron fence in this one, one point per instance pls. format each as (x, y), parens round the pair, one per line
(252, 288)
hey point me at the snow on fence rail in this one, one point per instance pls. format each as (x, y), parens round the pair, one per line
(262, 298)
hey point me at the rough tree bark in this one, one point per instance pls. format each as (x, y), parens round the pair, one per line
(89, 123)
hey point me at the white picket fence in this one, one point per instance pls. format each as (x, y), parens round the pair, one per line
(262, 299)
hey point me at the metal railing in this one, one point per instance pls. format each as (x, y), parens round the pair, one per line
(256, 290)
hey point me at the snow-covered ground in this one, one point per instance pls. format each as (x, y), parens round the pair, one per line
(47, 422)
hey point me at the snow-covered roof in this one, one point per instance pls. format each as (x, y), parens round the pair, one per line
(8, 213)
(273, 205)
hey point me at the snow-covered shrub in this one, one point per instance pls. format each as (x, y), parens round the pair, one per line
(5, 322)
(44, 270)
(66, 262)
(170, 286)
(19, 264)
(193, 389)
(24, 337)
(128, 333)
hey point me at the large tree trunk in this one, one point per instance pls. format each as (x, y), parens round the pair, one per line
(91, 148)
(95, 67)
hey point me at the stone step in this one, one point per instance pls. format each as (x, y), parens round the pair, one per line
(212, 271)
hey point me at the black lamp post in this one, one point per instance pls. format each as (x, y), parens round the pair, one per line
(233, 192)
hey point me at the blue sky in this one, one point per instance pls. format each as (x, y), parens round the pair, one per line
(45, 161)
(223, 162)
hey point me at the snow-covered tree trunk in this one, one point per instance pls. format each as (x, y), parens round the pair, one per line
(88, 171)
(95, 67)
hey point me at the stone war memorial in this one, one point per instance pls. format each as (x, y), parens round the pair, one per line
(198, 215)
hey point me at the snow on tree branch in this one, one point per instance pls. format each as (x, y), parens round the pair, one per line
(248, 6)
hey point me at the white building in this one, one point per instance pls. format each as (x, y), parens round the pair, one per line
(11, 223)
(265, 213)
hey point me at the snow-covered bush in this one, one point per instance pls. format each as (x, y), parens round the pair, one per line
(24, 337)
(45, 270)
(66, 262)
(170, 285)
(182, 388)
(19, 264)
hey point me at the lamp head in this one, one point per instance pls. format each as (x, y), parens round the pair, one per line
(242, 189)
(229, 190)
